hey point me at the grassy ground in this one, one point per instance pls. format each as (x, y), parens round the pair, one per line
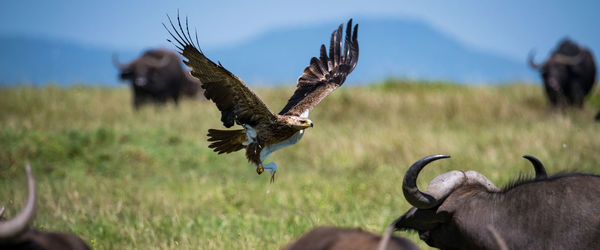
(146, 180)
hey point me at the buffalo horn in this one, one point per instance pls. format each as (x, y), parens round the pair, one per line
(441, 186)
(438, 188)
(531, 62)
(116, 62)
(12, 228)
(474, 177)
(540, 170)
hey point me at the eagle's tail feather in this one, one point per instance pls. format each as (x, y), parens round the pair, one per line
(226, 141)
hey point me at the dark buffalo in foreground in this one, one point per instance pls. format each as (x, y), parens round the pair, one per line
(569, 74)
(464, 210)
(335, 238)
(16, 234)
(158, 76)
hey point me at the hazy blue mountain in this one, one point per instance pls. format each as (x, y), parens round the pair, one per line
(39, 61)
(388, 48)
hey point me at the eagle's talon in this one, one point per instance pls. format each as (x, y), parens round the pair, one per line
(272, 177)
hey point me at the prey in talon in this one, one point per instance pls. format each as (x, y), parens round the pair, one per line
(263, 131)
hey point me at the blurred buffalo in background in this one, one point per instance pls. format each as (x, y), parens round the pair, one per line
(157, 76)
(16, 233)
(569, 74)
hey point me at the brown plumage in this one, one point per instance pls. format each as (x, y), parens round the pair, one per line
(265, 131)
(226, 141)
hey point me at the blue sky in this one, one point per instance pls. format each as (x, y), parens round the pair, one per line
(506, 27)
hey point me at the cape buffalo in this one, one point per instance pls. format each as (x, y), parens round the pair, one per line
(16, 233)
(459, 208)
(569, 74)
(335, 238)
(158, 75)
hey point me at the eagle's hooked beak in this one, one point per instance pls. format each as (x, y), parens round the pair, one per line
(309, 124)
(303, 124)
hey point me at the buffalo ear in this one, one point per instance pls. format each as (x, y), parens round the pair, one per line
(422, 219)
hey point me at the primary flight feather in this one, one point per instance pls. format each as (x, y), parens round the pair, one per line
(263, 130)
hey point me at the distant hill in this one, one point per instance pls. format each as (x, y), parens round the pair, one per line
(388, 48)
(39, 61)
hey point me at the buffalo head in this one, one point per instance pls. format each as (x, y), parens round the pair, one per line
(142, 71)
(464, 210)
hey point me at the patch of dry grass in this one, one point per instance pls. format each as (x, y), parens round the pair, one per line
(146, 180)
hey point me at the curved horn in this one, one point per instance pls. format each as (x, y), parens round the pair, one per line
(12, 228)
(532, 64)
(385, 238)
(540, 170)
(438, 188)
(116, 62)
(2, 212)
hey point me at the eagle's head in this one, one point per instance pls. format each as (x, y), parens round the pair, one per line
(299, 123)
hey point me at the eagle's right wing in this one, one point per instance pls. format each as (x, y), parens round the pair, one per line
(233, 98)
(326, 73)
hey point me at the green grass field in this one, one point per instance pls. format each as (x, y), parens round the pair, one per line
(147, 180)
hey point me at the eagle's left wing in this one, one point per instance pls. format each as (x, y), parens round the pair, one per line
(234, 99)
(326, 73)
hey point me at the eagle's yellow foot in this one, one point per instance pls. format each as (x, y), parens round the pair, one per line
(272, 167)
(260, 169)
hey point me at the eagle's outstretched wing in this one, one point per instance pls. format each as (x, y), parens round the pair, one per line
(325, 74)
(233, 98)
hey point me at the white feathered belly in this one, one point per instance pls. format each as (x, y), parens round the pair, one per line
(267, 150)
(282, 144)
(251, 134)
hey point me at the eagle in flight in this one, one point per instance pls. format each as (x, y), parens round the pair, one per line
(263, 130)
